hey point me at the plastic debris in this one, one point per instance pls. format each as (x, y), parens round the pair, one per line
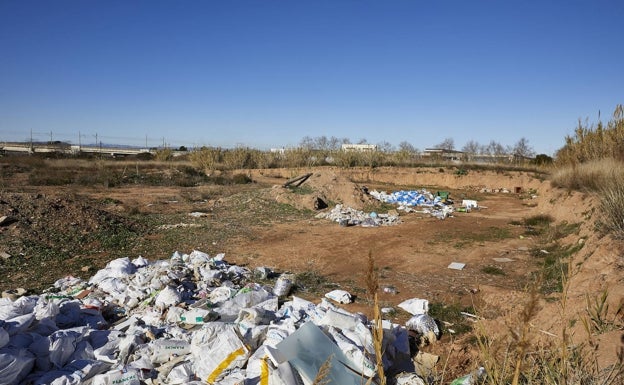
(190, 319)
(415, 306)
(340, 296)
(439, 205)
(456, 266)
(283, 285)
(472, 378)
(347, 216)
(425, 326)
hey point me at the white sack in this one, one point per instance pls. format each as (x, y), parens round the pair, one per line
(163, 350)
(216, 348)
(340, 296)
(118, 377)
(15, 364)
(415, 306)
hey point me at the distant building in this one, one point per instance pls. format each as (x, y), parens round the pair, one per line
(359, 147)
(443, 153)
(278, 150)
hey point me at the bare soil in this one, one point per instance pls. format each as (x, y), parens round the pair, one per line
(53, 231)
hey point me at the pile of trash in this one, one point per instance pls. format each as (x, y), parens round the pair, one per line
(437, 205)
(347, 216)
(195, 319)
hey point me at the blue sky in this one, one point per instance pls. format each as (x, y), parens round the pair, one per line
(267, 73)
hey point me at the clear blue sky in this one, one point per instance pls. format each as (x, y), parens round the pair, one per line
(266, 73)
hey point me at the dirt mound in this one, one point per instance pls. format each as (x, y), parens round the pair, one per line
(322, 189)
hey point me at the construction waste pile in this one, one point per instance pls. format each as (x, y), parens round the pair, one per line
(436, 205)
(422, 201)
(348, 216)
(195, 319)
(439, 206)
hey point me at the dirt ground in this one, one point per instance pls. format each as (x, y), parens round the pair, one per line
(263, 224)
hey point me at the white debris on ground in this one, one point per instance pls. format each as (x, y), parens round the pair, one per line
(347, 216)
(191, 319)
(428, 203)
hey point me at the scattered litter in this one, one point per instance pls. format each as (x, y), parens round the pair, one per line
(283, 285)
(347, 216)
(457, 266)
(425, 363)
(390, 289)
(192, 319)
(178, 225)
(439, 205)
(544, 251)
(473, 378)
(425, 326)
(469, 315)
(415, 306)
(198, 214)
(409, 379)
(340, 296)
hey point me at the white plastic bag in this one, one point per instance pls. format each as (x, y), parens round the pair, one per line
(415, 306)
(169, 296)
(340, 296)
(118, 377)
(217, 348)
(163, 350)
(15, 364)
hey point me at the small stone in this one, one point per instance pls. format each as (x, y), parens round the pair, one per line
(4, 255)
(85, 268)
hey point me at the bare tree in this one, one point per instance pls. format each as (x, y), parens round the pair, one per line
(472, 147)
(522, 148)
(385, 146)
(407, 147)
(307, 142)
(334, 143)
(494, 148)
(321, 143)
(447, 144)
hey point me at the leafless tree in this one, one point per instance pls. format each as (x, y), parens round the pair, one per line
(447, 144)
(407, 147)
(494, 148)
(385, 146)
(472, 147)
(522, 148)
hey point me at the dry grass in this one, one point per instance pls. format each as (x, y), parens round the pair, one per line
(595, 141)
(592, 175)
(523, 356)
(604, 177)
(322, 377)
(372, 285)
